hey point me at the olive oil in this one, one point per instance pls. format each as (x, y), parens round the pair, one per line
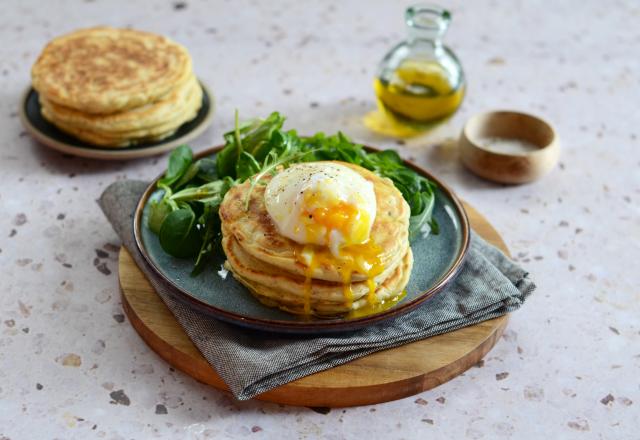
(418, 92)
(420, 81)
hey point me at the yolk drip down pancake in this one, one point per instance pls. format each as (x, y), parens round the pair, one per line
(320, 238)
(257, 233)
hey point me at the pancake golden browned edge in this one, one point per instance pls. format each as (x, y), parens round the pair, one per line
(156, 114)
(327, 299)
(124, 139)
(257, 234)
(105, 70)
(265, 262)
(260, 272)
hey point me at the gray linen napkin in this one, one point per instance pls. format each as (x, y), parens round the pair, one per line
(252, 362)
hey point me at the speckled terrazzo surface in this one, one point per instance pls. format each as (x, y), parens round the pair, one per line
(71, 366)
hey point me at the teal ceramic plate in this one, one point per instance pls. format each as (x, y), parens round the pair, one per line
(48, 134)
(437, 259)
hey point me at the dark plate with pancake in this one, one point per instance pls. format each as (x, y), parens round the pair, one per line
(51, 136)
(438, 259)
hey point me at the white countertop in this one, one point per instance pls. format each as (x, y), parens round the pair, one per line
(71, 366)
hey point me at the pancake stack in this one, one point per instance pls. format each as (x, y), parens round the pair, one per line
(116, 87)
(269, 264)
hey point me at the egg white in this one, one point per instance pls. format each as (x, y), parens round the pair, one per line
(295, 193)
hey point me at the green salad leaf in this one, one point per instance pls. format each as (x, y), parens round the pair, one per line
(186, 218)
(179, 162)
(178, 234)
(159, 211)
(248, 137)
(207, 170)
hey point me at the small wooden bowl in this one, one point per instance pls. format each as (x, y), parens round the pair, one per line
(505, 166)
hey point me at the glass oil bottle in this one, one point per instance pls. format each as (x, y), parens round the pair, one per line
(420, 81)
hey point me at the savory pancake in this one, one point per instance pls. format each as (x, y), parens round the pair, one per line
(158, 113)
(125, 138)
(259, 272)
(272, 296)
(106, 70)
(256, 233)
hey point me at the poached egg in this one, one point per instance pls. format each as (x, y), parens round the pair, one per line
(330, 209)
(322, 203)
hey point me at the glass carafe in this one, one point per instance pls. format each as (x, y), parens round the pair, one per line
(421, 81)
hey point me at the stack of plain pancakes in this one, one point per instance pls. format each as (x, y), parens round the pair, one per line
(268, 263)
(116, 87)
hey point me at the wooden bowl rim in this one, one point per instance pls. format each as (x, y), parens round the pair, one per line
(533, 119)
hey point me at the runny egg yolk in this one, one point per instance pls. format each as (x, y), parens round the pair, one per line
(356, 253)
(362, 258)
(342, 223)
(330, 209)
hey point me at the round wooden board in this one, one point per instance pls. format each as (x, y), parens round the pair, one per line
(380, 377)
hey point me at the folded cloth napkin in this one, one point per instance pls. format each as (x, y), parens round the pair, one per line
(252, 362)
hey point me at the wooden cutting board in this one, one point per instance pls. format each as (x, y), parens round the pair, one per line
(380, 377)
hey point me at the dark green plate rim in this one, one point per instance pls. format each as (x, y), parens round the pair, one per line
(48, 134)
(304, 327)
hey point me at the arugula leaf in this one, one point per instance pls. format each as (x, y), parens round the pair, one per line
(337, 147)
(262, 133)
(424, 203)
(246, 166)
(416, 190)
(247, 137)
(281, 142)
(271, 162)
(226, 160)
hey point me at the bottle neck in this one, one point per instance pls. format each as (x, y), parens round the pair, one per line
(427, 23)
